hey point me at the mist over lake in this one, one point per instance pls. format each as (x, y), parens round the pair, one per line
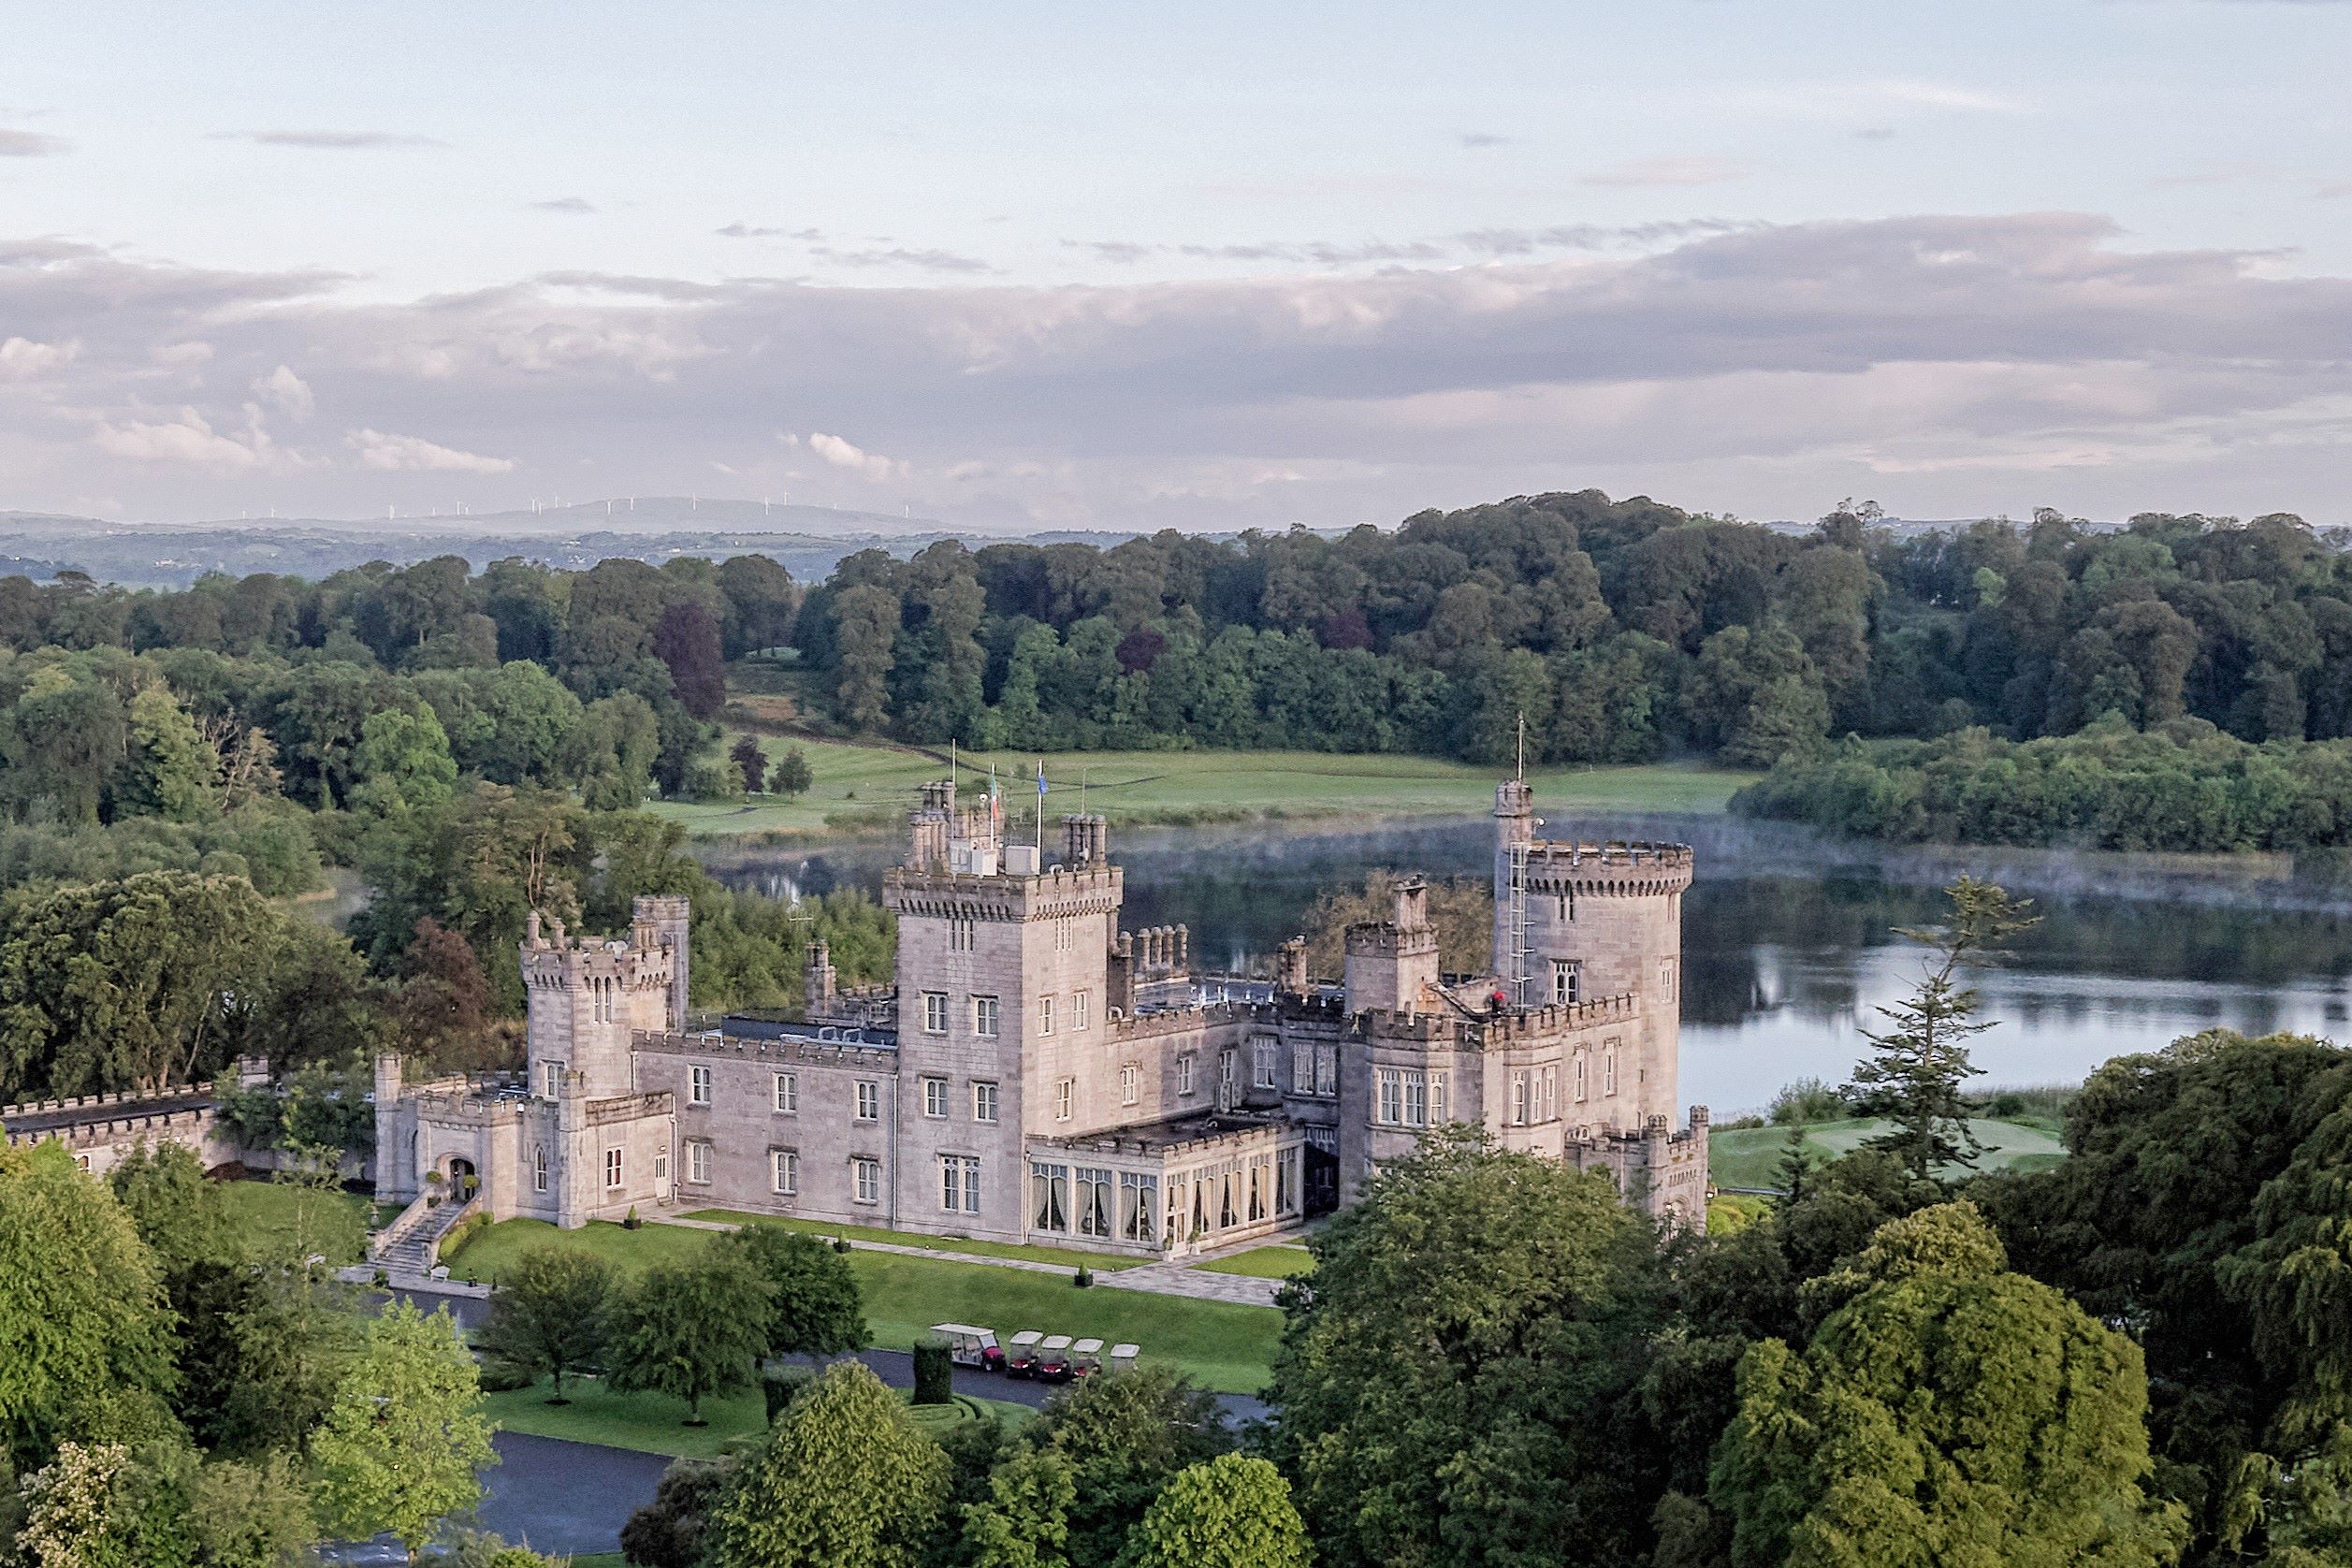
(1789, 940)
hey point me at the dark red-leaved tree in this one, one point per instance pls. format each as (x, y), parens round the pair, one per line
(686, 640)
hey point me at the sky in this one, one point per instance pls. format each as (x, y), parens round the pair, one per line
(1044, 264)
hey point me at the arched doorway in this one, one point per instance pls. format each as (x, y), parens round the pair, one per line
(463, 1179)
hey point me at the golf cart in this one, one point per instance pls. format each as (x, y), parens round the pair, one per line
(1086, 1358)
(968, 1346)
(1123, 1357)
(1020, 1353)
(1053, 1359)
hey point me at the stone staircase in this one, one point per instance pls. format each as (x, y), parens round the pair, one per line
(412, 1252)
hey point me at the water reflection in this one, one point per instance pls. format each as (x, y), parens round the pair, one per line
(1788, 943)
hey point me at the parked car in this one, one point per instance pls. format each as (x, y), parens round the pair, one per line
(1086, 1358)
(968, 1346)
(1053, 1359)
(1020, 1353)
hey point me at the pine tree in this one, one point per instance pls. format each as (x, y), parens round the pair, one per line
(792, 776)
(751, 762)
(1922, 1059)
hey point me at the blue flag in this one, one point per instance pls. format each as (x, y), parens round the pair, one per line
(1041, 779)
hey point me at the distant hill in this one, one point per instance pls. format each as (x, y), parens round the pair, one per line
(810, 540)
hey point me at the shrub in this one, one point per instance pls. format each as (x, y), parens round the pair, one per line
(783, 1386)
(1085, 1277)
(631, 1220)
(841, 1243)
(1809, 1099)
(501, 1376)
(934, 1373)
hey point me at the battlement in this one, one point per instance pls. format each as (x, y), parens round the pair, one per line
(1619, 867)
(840, 1052)
(1554, 1018)
(1004, 895)
(553, 956)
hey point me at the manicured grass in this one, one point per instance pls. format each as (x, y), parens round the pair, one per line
(874, 782)
(1276, 1262)
(1219, 1346)
(655, 1424)
(277, 1219)
(1069, 1258)
(1750, 1156)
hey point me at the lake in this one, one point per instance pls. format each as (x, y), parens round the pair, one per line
(1788, 938)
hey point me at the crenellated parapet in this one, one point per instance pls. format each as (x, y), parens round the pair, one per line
(553, 959)
(1009, 896)
(1622, 869)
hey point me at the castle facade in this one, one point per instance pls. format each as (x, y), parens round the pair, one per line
(1038, 1074)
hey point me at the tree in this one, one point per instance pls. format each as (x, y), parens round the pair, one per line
(85, 1342)
(751, 761)
(548, 1313)
(95, 1506)
(1459, 1375)
(406, 1434)
(1947, 1411)
(1024, 1522)
(1124, 1434)
(845, 1480)
(814, 1308)
(403, 762)
(686, 640)
(1922, 1059)
(251, 1516)
(792, 776)
(1232, 1512)
(170, 769)
(761, 599)
(689, 1330)
(667, 1533)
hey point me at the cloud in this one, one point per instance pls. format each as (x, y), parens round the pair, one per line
(286, 392)
(22, 359)
(898, 255)
(1980, 362)
(1484, 138)
(843, 454)
(330, 141)
(31, 144)
(747, 231)
(387, 453)
(564, 204)
(1486, 243)
(1669, 171)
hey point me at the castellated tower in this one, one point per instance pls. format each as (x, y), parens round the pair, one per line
(585, 998)
(1591, 922)
(1392, 963)
(1003, 997)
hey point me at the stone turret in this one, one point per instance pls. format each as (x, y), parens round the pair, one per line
(816, 976)
(585, 998)
(1392, 963)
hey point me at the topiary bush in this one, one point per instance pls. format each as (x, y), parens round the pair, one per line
(934, 1373)
(1085, 1277)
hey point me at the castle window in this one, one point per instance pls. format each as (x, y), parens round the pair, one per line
(1519, 1099)
(1079, 1008)
(1327, 1069)
(1416, 1098)
(1302, 1068)
(539, 1167)
(985, 1016)
(698, 1160)
(611, 1169)
(1262, 1068)
(866, 1176)
(1257, 1188)
(1065, 1091)
(869, 1100)
(698, 1085)
(661, 1165)
(1183, 1073)
(1138, 1205)
(1045, 1015)
(959, 935)
(1567, 981)
(1584, 1073)
(1608, 1069)
(1665, 980)
(784, 1171)
(1551, 1093)
(959, 1183)
(551, 1078)
(1062, 934)
(1050, 1198)
(1131, 1078)
(935, 1096)
(1286, 1164)
(1094, 1201)
(1440, 1111)
(1391, 1105)
(935, 1012)
(787, 1093)
(983, 1102)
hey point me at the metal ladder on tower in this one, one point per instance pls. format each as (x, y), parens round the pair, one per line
(1514, 914)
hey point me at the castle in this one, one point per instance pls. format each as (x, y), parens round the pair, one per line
(1038, 1074)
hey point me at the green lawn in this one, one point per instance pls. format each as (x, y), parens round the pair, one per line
(655, 1423)
(871, 782)
(1068, 1257)
(1219, 1346)
(276, 1220)
(1277, 1262)
(1750, 1156)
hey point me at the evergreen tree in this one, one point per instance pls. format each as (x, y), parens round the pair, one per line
(792, 776)
(751, 761)
(1922, 1059)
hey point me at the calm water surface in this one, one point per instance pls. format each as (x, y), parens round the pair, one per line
(1788, 941)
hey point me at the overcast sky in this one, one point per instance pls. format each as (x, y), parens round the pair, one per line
(1212, 266)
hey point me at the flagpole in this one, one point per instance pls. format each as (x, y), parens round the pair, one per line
(1040, 811)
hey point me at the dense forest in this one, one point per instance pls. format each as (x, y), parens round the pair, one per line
(1622, 631)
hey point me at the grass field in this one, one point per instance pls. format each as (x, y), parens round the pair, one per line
(871, 784)
(655, 1423)
(1276, 1262)
(1219, 1346)
(1069, 1257)
(276, 1220)
(1750, 1156)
